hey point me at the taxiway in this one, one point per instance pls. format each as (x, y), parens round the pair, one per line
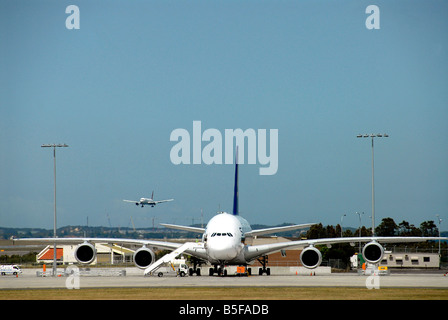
(133, 279)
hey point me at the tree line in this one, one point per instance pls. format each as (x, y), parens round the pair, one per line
(387, 228)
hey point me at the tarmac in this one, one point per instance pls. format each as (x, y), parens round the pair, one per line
(134, 278)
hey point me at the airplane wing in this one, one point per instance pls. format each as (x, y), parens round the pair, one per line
(133, 201)
(277, 229)
(185, 228)
(194, 249)
(264, 249)
(149, 243)
(161, 201)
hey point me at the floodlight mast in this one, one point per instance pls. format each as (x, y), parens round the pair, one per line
(54, 146)
(440, 222)
(379, 135)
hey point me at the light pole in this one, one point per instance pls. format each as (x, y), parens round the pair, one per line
(440, 222)
(54, 146)
(373, 173)
(359, 215)
(342, 217)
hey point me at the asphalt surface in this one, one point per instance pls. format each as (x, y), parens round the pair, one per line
(134, 278)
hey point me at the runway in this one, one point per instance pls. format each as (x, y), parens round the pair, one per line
(135, 279)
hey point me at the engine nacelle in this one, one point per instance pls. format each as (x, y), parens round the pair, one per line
(85, 253)
(310, 257)
(144, 257)
(373, 252)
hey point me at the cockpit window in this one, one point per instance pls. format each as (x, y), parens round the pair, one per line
(221, 234)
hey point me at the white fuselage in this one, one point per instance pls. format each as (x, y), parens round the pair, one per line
(223, 239)
(147, 201)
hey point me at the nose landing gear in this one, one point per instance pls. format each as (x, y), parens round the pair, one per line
(220, 270)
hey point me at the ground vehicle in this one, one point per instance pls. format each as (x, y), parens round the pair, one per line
(10, 269)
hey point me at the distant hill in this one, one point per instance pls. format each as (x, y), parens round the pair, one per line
(93, 232)
(116, 232)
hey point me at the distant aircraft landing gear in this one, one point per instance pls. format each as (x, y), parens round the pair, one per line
(264, 261)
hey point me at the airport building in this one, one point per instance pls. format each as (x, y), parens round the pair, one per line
(403, 260)
(410, 260)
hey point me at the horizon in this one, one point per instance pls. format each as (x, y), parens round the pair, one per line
(191, 225)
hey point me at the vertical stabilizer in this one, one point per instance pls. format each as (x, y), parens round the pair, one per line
(235, 190)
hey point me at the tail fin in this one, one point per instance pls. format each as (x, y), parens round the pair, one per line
(235, 190)
(152, 196)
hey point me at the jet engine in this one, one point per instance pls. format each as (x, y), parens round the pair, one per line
(373, 252)
(143, 257)
(85, 253)
(311, 257)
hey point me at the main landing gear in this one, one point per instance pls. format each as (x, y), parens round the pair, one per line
(195, 269)
(264, 261)
(242, 270)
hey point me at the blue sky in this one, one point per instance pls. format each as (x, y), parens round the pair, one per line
(115, 89)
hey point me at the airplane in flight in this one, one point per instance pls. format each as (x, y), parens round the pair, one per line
(148, 201)
(224, 244)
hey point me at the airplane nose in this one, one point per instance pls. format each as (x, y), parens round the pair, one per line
(222, 251)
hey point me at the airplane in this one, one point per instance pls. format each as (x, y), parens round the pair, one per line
(224, 243)
(148, 201)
